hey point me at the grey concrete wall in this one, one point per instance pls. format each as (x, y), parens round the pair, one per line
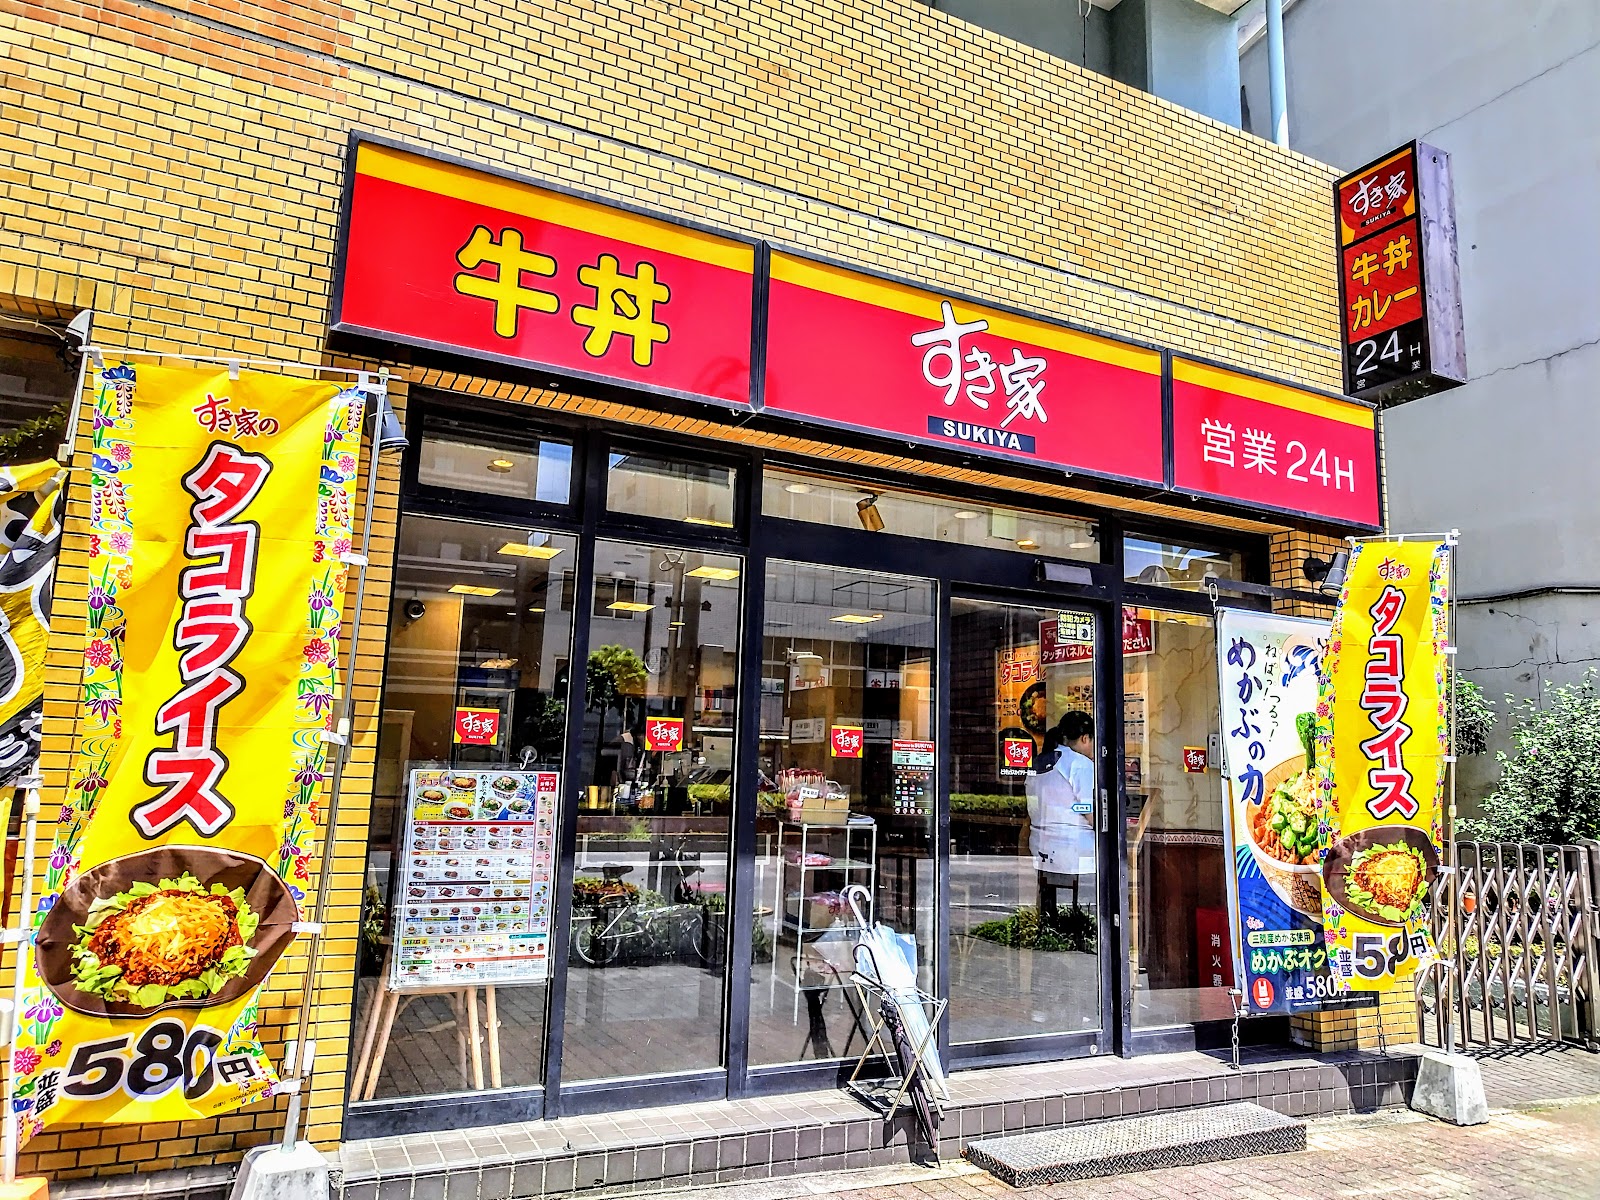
(1512, 92)
(1054, 26)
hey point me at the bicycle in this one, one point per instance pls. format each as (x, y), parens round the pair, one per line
(617, 921)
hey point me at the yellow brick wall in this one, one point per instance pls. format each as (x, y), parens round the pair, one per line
(178, 167)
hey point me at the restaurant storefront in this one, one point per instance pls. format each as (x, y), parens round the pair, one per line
(807, 418)
(652, 702)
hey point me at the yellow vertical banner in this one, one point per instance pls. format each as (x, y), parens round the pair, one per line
(1383, 723)
(219, 512)
(30, 534)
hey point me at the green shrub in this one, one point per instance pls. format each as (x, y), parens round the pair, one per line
(1064, 929)
(1003, 806)
(1475, 717)
(1550, 787)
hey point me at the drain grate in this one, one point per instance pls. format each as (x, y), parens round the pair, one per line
(1170, 1139)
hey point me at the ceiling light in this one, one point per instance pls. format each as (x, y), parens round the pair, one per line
(500, 466)
(967, 514)
(523, 550)
(630, 606)
(711, 521)
(467, 589)
(1079, 545)
(857, 618)
(1027, 544)
(867, 510)
(535, 608)
(799, 489)
(715, 573)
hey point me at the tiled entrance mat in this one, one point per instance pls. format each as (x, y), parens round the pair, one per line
(1164, 1139)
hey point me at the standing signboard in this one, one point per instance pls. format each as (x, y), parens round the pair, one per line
(1399, 284)
(1270, 781)
(1386, 743)
(219, 512)
(477, 877)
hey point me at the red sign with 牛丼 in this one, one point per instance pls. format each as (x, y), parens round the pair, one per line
(477, 726)
(848, 741)
(442, 256)
(1270, 445)
(853, 350)
(663, 733)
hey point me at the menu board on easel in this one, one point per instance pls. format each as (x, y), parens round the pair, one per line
(477, 879)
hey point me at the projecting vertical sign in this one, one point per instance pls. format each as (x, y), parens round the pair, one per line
(1399, 287)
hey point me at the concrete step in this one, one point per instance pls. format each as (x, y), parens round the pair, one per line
(1167, 1139)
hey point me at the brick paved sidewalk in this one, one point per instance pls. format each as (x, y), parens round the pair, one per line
(1543, 1143)
(1545, 1152)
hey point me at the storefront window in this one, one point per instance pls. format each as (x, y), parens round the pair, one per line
(649, 905)
(1166, 564)
(696, 493)
(847, 796)
(1024, 821)
(541, 472)
(846, 505)
(456, 916)
(1178, 926)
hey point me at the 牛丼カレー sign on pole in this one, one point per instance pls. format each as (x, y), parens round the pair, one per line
(219, 512)
(1270, 783)
(1385, 754)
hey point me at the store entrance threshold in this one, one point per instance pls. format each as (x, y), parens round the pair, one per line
(760, 1138)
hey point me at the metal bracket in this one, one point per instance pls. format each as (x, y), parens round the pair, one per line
(351, 559)
(9, 937)
(332, 738)
(306, 927)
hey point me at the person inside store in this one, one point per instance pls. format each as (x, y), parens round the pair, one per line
(1061, 810)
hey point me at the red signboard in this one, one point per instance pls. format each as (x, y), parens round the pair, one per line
(439, 255)
(1377, 196)
(1402, 320)
(663, 733)
(1194, 759)
(1274, 446)
(477, 726)
(848, 741)
(1138, 633)
(1018, 755)
(852, 350)
(1138, 637)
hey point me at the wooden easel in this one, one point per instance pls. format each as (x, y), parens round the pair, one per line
(387, 1006)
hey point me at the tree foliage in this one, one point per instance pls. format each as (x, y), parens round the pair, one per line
(615, 672)
(1475, 717)
(1550, 786)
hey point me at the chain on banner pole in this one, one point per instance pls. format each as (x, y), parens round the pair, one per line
(19, 935)
(301, 1052)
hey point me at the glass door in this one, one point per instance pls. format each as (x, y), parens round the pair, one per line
(1177, 881)
(645, 989)
(1025, 820)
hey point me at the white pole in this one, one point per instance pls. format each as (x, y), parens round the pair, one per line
(21, 937)
(1277, 77)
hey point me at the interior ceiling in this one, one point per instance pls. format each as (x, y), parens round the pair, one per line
(822, 453)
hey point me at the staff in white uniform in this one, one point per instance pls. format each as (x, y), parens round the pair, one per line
(1061, 808)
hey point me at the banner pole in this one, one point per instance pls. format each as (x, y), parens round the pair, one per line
(19, 967)
(1453, 885)
(300, 1058)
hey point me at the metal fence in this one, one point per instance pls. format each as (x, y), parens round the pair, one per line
(1527, 947)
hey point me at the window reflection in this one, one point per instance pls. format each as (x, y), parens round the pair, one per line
(1024, 816)
(846, 505)
(695, 493)
(476, 690)
(847, 789)
(1176, 858)
(1168, 564)
(542, 472)
(649, 912)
